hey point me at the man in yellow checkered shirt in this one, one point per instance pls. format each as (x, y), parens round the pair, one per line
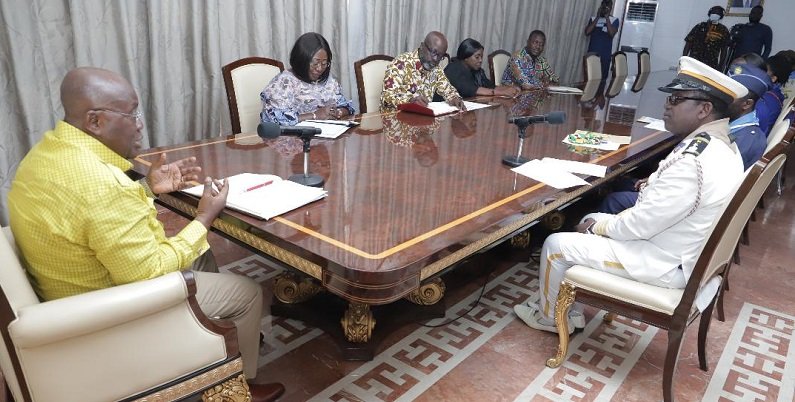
(82, 224)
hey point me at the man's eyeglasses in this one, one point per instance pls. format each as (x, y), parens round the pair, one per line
(322, 64)
(434, 54)
(136, 115)
(674, 100)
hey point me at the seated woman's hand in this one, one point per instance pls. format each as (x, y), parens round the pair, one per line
(506, 90)
(327, 113)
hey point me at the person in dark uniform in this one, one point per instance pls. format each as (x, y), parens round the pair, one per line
(601, 29)
(709, 40)
(743, 123)
(754, 36)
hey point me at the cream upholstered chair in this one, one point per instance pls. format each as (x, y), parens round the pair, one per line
(144, 340)
(591, 67)
(669, 309)
(644, 61)
(640, 82)
(644, 69)
(789, 105)
(781, 132)
(775, 154)
(777, 134)
(498, 61)
(619, 74)
(590, 90)
(370, 73)
(619, 65)
(244, 80)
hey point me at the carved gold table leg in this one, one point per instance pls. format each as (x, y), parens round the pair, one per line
(521, 240)
(232, 390)
(565, 300)
(429, 293)
(554, 220)
(291, 288)
(608, 317)
(358, 322)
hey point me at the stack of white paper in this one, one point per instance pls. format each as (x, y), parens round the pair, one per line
(549, 174)
(329, 129)
(264, 195)
(564, 90)
(475, 105)
(589, 169)
(440, 108)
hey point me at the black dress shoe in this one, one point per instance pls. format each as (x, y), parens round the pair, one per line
(265, 392)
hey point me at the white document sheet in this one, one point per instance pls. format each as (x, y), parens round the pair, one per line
(475, 105)
(589, 169)
(564, 90)
(440, 108)
(658, 125)
(549, 174)
(330, 130)
(264, 195)
(647, 119)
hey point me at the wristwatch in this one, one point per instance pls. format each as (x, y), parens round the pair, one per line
(589, 229)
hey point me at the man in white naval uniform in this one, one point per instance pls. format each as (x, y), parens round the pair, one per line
(657, 241)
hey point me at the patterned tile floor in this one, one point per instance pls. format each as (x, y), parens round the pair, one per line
(489, 355)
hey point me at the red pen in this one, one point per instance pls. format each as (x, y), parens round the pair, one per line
(258, 186)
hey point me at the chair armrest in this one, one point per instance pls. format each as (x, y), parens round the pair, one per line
(61, 319)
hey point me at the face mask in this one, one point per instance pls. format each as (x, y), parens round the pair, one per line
(714, 17)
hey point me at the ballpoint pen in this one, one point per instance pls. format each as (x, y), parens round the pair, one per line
(258, 186)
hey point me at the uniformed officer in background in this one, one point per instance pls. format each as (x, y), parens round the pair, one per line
(743, 122)
(657, 241)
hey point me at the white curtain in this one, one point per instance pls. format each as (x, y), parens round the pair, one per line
(172, 51)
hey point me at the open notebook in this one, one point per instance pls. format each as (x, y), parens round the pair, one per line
(265, 195)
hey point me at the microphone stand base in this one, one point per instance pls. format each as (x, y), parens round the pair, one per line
(514, 161)
(311, 180)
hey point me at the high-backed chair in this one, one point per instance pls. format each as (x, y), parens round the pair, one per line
(498, 61)
(644, 69)
(619, 65)
(619, 74)
(644, 62)
(770, 155)
(370, 80)
(777, 134)
(244, 80)
(145, 340)
(789, 105)
(669, 309)
(591, 67)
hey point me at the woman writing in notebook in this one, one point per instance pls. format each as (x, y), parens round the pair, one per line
(467, 76)
(305, 91)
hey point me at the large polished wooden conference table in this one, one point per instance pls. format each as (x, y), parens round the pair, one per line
(410, 196)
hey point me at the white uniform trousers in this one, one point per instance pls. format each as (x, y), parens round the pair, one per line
(561, 251)
(231, 297)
